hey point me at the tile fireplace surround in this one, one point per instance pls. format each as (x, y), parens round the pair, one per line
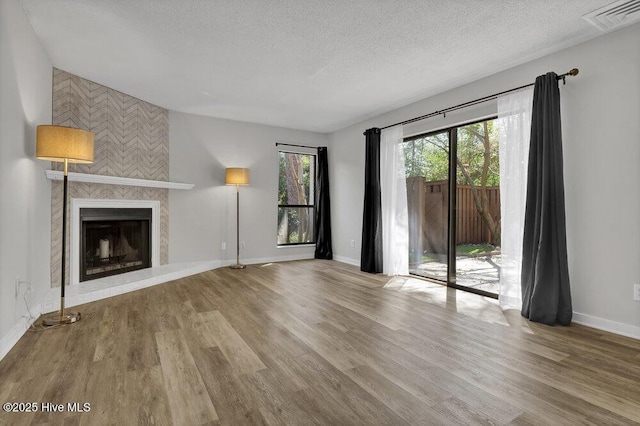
(131, 160)
(130, 169)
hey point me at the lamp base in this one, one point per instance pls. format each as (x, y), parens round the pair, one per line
(238, 266)
(56, 319)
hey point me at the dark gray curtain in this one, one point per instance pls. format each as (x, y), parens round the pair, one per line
(546, 295)
(371, 253)
(323, 208)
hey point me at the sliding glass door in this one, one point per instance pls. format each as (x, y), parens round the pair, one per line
(478, 207)
(427, 171)
(453, 195)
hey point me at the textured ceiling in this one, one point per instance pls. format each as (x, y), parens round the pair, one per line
(316, 65)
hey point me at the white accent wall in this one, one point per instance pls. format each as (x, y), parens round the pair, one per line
(601, 132)
(200, 149)
(25, 197)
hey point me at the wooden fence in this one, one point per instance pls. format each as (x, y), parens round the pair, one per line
(428, 203)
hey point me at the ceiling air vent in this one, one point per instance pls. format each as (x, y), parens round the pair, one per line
(615, 15)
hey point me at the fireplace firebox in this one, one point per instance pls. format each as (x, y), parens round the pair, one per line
(114, 241)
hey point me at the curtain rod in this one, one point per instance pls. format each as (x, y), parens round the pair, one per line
(298, 146)
(562, 77)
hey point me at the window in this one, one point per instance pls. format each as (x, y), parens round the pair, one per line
(296, 198)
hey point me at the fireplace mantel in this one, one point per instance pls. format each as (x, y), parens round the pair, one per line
(115, 180)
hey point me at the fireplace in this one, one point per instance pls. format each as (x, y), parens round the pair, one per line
(109, 210)
(114, 241)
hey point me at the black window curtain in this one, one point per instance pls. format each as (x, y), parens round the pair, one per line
(371, 253)
(546, 294)
(323, 208)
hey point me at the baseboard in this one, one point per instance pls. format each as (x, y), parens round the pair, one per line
(622, 329)
(348, 260)
(8, 341)
(258, 260)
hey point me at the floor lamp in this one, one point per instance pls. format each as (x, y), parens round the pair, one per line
(237, 176)
(65, 145)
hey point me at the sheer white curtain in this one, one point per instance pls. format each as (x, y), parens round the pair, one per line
(393, 192)
(514, 127)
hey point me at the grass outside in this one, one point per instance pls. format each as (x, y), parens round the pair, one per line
(464, 250)
(475, 249)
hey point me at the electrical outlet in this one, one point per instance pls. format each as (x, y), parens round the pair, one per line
(636, 292)
(223, 246)
(17, 285)
(353, 243)
(241, 244)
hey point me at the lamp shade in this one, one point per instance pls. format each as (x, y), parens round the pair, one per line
(237, 176)
(58, 143)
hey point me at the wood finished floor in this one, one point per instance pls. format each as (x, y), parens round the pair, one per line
(318, 342)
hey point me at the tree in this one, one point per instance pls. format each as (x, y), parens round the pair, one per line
(480, 134)
(477, 163)
(295, 188)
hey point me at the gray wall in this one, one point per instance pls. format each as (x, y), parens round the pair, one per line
(200, 148)
(601, 131)
(25, 213)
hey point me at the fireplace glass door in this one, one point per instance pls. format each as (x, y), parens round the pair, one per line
(114, 241)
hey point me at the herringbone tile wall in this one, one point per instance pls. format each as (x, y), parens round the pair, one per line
(131, 140)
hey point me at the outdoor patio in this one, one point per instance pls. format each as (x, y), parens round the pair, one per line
(479, 272)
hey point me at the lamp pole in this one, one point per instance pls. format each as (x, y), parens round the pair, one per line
(75, 316)
(65, 192)
(238, 265)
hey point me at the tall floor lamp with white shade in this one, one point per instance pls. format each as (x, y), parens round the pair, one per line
(65, 145)
(239, 177)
